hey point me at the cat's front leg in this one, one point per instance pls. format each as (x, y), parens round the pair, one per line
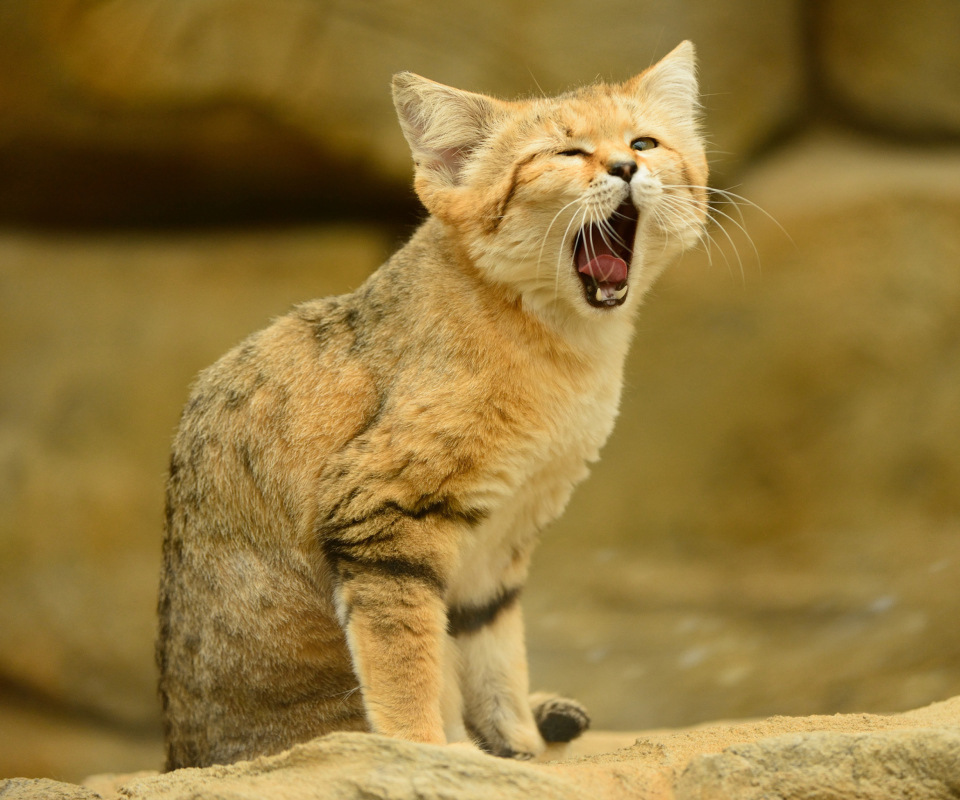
(494, 679)
(394, 616)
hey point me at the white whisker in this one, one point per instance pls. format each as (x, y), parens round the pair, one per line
(684, 202)
(549, 227)
(735, 199)
(563, 240)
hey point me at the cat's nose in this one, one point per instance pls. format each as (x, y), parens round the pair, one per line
(623, 169)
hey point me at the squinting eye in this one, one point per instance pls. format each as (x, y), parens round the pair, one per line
(574, 152)
(643, 143)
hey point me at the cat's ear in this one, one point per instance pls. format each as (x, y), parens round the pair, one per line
(442, 125)
(672, 82)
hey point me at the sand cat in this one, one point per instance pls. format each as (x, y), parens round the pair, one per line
(355, 491)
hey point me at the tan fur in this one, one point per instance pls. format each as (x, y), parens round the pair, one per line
(355, 491)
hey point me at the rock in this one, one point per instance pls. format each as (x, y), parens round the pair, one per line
(43, 789)
(820, 388)
(857, 756)
(38, 741)
(349, 765)
(219, 108)
(868, 766)
(99, 340)
(893, 67)
(773, 526)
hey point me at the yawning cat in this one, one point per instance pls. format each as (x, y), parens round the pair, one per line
(355, 491)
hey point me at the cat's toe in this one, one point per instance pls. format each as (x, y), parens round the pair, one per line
(560, 719)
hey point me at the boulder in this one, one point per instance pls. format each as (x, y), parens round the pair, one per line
(140, 110)
(892, 67)
(774, 526)
(100, 338)
(46, 741)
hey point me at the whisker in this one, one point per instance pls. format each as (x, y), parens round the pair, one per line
(344, 696)
(549, 227)
(713, 210)
(662, 226)
(605, 225)
(705, 232)
(741, 227)
(737, 200)
(684, 202)
(563, 240)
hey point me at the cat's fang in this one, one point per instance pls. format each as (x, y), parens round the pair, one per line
(599, 295)
(621, 293)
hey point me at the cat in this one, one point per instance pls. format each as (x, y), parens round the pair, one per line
(355, 491)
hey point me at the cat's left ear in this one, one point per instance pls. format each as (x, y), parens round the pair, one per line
(443, 127)
(672, 82)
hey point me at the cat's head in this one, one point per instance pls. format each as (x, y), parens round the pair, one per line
(575, 202)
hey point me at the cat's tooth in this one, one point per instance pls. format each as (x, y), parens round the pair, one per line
(599, 295)
(622, 293)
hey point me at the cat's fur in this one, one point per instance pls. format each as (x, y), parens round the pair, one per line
(355, 491)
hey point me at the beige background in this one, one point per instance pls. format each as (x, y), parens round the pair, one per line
(775, 524)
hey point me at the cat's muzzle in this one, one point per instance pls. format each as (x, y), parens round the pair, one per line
(602, 252)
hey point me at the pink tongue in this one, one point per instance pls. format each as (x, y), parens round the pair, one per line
(605, 269)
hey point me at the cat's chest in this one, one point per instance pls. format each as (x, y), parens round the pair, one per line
(574, 418)
(530, 483)
(578, 425)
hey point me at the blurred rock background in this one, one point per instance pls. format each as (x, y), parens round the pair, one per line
(775, 525)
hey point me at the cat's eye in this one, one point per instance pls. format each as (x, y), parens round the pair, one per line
(573, 152)
(643, 143)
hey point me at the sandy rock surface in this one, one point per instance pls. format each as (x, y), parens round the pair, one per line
(859, 756)
(195, 52)
(872, 766)
(44, 789)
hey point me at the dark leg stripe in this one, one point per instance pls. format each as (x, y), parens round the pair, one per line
(444, 508)
(342, 557)
(391, 511)
(470, 619)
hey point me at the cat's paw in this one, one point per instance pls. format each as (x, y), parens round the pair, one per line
(519, 742)
(558, 718)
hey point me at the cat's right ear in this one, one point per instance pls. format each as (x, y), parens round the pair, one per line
(671, 83)
(443, 127)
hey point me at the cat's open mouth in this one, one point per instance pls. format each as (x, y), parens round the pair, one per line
(602, 253)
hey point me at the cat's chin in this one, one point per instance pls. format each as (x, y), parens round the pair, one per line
(602, 253)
